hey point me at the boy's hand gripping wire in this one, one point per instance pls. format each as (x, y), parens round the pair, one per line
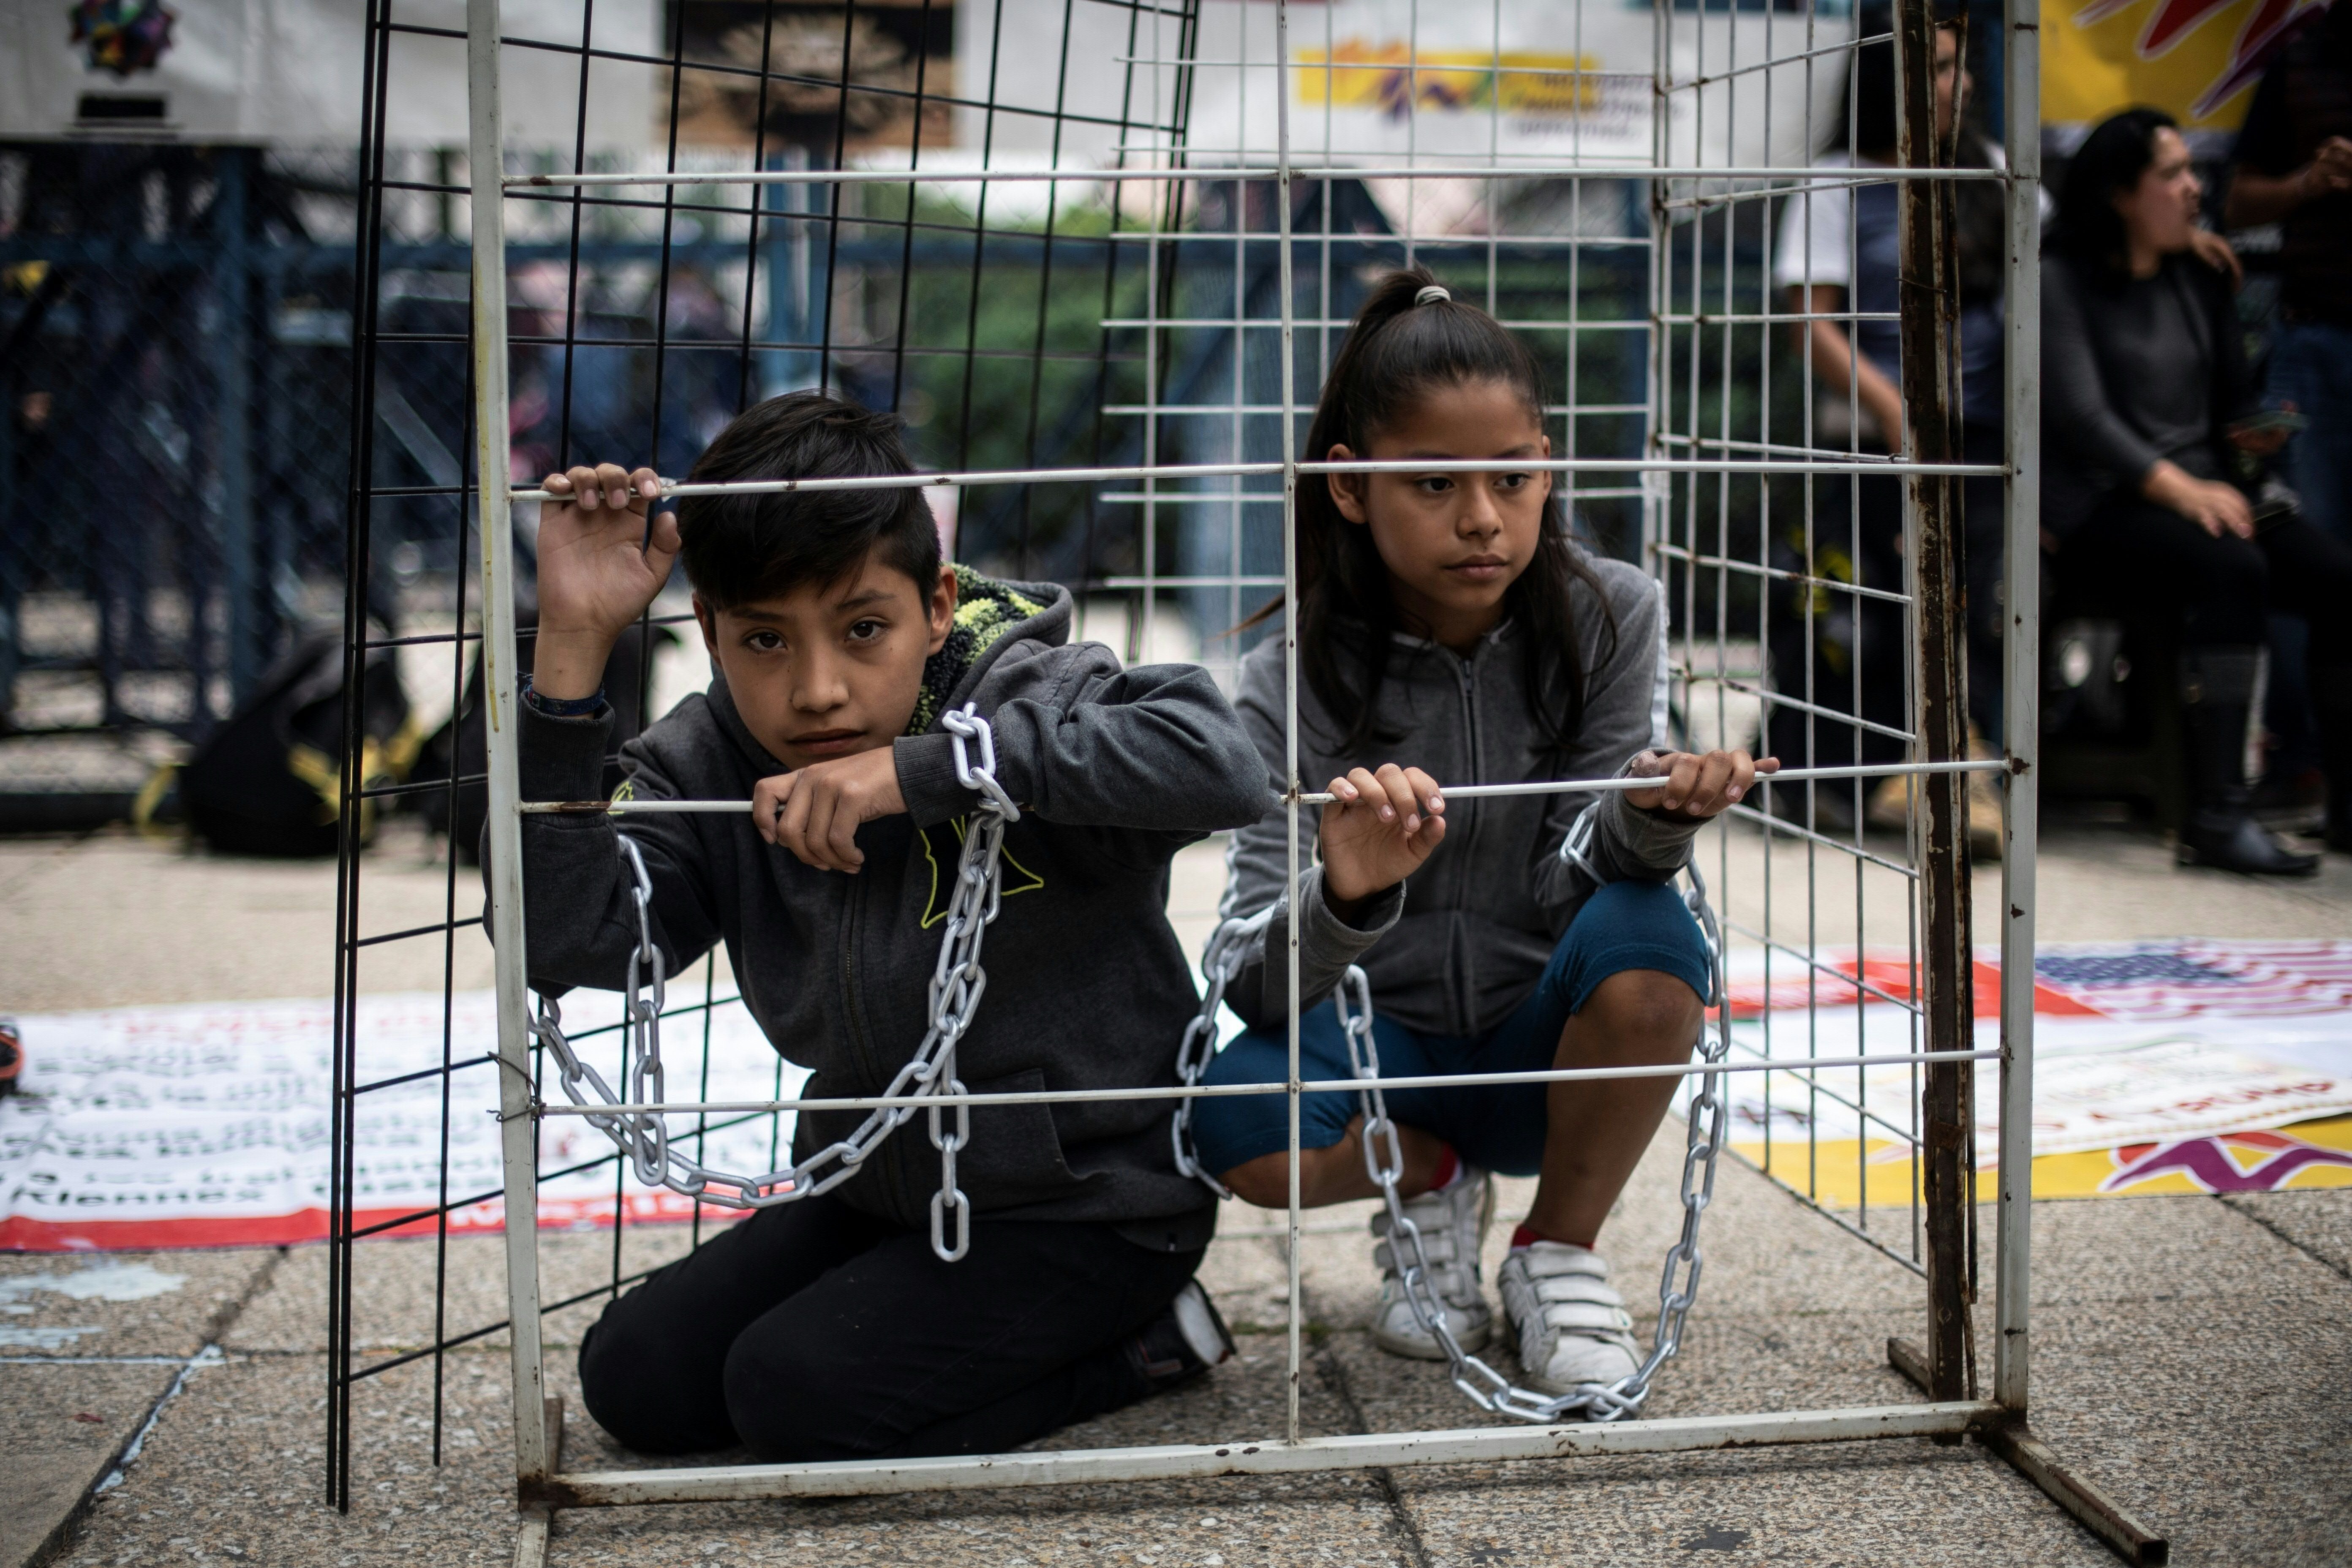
(957, 982)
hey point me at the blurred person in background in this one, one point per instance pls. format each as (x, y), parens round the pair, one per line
(1839, 251)
(2147, 415)
(2292, 167)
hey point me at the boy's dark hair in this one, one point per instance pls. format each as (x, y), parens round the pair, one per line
(2110, 162)
(742, 549)
(1395, 355)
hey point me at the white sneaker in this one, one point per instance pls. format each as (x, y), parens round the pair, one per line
(1573, 1327)
(1452, 1226)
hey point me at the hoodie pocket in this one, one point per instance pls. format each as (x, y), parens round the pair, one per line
(1015, 1155)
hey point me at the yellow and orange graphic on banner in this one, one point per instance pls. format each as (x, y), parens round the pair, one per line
(1390, 78)
(2199, 59)
(1838, 1171)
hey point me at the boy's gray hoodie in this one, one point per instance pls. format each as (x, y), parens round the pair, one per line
(1114, 771)
(1460, 943)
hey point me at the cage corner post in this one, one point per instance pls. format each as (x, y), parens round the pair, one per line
(518, 1131)
(1931, 534)
(2020, 702)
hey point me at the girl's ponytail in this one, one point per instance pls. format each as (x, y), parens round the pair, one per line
(1410, 339)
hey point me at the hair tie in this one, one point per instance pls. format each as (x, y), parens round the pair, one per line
(1432, 293)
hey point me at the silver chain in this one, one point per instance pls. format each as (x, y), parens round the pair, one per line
(957, 982)
(1384, 1161)
(1219, 965)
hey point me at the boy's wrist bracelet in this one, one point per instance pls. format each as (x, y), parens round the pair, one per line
(561, 707)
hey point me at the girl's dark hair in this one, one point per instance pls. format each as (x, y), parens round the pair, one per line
(742, 549)
(1395, 355)
(2111, 159)
(1978, 205)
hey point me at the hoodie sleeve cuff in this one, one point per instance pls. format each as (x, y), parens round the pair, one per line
(927, 778)
(562, 759)
(1325, 933)
(1653, 838)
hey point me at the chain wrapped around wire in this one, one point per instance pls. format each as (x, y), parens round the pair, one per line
(1219, 965)
(957, 983)
(1384, 1161)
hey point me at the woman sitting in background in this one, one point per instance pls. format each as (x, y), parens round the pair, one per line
(2146, 401)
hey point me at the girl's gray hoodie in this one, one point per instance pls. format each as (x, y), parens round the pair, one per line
(1462, 943)
(1114, 771)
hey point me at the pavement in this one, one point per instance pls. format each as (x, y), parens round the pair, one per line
(2189, 1352)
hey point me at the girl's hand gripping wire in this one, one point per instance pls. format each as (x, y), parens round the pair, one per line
(1696, 786)
(1377, 831)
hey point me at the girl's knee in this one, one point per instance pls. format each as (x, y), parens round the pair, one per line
(1264, 1180)
(1647, 1006)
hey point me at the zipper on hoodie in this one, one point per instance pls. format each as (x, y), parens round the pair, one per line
(853, 905)
(1466, 1014)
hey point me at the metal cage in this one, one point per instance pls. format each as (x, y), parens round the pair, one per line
(1118, 406)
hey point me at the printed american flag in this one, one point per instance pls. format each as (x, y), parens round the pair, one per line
(2156, 980)
(2192, 977)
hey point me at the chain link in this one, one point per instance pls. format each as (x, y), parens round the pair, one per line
(957, 983)
(1384, 1162)
(1219, 965)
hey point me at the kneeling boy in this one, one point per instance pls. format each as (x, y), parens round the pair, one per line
(827, 1329)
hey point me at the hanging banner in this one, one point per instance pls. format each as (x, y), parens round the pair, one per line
(1397, 80)
(1392, 80)
(2198, 59)
(289, 72)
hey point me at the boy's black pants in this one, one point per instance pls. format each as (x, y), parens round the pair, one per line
(814, 1332)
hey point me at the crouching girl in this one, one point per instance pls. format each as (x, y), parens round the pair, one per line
(1450, 630)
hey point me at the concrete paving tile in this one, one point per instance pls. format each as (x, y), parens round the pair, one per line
(2144, 1250)
(233, 1471)
(1729, 1364)
(1343, 1521)
(393, 1289)
(1843, 1503)
(2320, 1222)
(124, 1303)
(1245, 1276)
(1342, 1518)
(61, 1426)
(2222, 1422)
(111, 919)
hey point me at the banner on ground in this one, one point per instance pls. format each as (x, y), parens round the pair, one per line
(208, 1125)
(2184, 1065)
(2177, 1065)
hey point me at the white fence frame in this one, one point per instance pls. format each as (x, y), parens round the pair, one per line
(2000, 1420)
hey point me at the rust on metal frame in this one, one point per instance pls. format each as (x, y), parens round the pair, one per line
(1930, 303)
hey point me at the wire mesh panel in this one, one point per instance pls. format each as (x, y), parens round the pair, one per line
(174, 343)
(640, 319)
(1104, 304)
